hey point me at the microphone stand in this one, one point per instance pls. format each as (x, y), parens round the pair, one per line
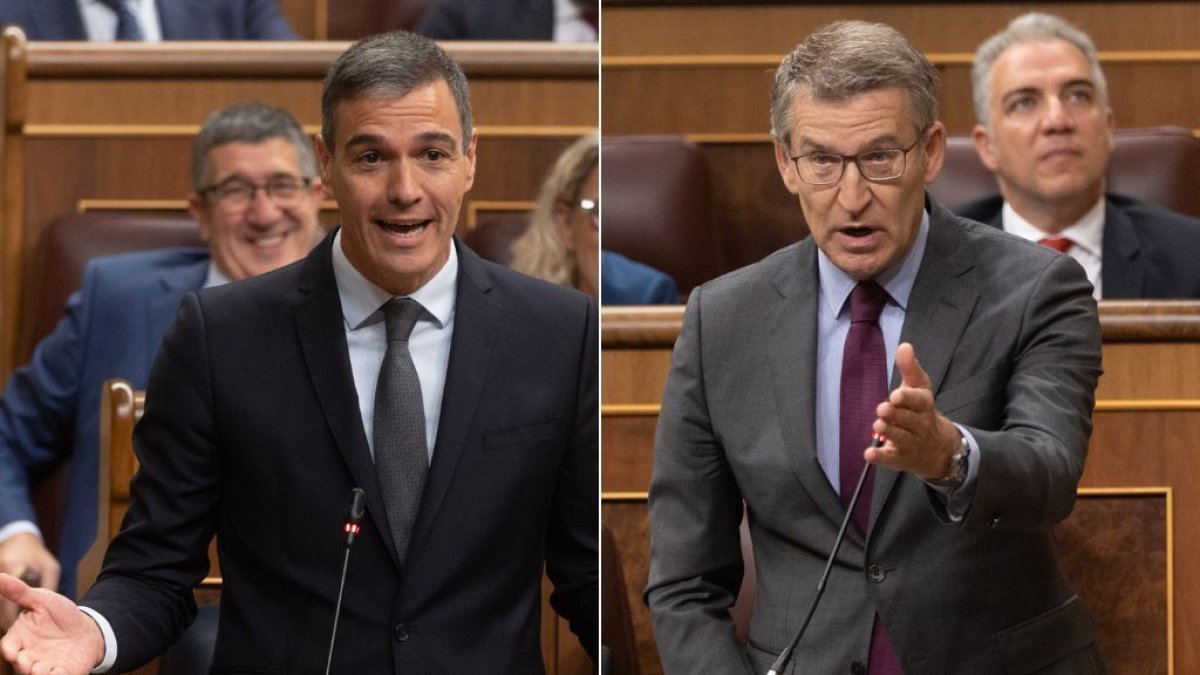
(353, 518)
(780, 662)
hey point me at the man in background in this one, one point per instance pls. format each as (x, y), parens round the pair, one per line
(1045, 127)
(785, 370)
(148, 20)
(256, 195)
(557, 20)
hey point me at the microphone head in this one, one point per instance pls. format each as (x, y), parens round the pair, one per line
(358, 505)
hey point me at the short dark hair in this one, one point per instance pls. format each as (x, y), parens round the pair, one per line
(392, 64)
(249, 122)
(846, 58)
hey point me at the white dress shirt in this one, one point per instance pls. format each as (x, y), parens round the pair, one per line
(1086, 235)
(100, 21)
(569, 26)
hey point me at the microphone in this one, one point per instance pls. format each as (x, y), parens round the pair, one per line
(354, 515)
(781, 661)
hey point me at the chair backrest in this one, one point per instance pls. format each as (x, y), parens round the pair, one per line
(656, 206)
(65, 248)
(1154, 164)
(616, 627)
(493, 236)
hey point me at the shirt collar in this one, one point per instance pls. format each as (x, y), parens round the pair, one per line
(1086, 233)
(215, 276)
(361, 299)
(897, 279)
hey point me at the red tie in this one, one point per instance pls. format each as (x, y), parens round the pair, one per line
(1060, 244)
(864, 387)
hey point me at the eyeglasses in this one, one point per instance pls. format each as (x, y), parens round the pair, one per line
(590, 207)
(237, 193)
(823, 168)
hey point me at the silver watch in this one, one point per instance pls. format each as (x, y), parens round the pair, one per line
(959, 462)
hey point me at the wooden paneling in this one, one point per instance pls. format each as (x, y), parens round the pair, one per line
(730, 95)
(121, 118)
(1147, 412)
(742, 28)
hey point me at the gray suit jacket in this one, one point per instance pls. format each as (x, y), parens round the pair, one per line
(1009, 335)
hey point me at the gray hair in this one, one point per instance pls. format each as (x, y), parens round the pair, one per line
(249, 122)
(392, 64)
(845, 59)
(1031, 27)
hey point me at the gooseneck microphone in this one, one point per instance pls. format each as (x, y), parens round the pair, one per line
(782, 660)
(354, 515)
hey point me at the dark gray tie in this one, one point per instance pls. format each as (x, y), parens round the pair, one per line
(401, 459)
(128, 27)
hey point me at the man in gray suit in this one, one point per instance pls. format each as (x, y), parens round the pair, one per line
(779, 379)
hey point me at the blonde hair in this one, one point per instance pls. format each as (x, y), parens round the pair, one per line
(540, 252)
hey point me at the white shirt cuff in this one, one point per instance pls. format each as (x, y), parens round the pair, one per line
(19, 527)
(110, 640)
(959, 499)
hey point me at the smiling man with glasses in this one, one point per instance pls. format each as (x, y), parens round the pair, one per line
(796, 380)
(115, 322)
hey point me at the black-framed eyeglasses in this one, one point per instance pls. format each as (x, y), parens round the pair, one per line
(824, 168)
(238, 193)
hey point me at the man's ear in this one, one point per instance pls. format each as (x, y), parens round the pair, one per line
(198, 210)
(983, 146)
(787, 168)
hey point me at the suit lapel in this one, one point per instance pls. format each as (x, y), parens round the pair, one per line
(322, 336)
(1123, 272)
(940, 305)
(164, 304)
(477, 321)
(791, 323)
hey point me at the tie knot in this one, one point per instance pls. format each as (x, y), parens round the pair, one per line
(867, 301)
(1060, 244)
(401, 315)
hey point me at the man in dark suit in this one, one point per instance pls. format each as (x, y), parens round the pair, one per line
(114, 324)
(559, 20)
(273, 398)
(1045, 127)
(780, 377)
(168, 19)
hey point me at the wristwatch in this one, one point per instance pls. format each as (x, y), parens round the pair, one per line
(959, 462)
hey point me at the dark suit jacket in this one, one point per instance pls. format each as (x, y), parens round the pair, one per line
(252, 431)
(180, 19)
(1009, 335)
(489, 20)
(1148, 251)
(51, 407)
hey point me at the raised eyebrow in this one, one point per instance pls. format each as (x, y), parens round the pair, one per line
(361, 139)
(808, 147)
(1080, 83)
(437, 138)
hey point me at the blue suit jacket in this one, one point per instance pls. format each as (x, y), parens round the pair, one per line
(50, 409)
(1148, 251)
(180, 19)
(628, 282)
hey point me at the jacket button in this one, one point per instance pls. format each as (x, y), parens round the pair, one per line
(876, 573)
(400, 632)
(994, 522)
(857, 668)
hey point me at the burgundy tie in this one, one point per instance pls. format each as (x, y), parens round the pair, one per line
(1060, 244)
(864, 387)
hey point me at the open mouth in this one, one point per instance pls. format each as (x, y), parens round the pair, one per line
(404, 228)
(857, 232)
(266, 241)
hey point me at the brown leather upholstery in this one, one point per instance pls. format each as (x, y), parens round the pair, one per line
(616, 623)
(1155, 164)
(494, 233)
(656, 209)
(70, 241)
(66, 245)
